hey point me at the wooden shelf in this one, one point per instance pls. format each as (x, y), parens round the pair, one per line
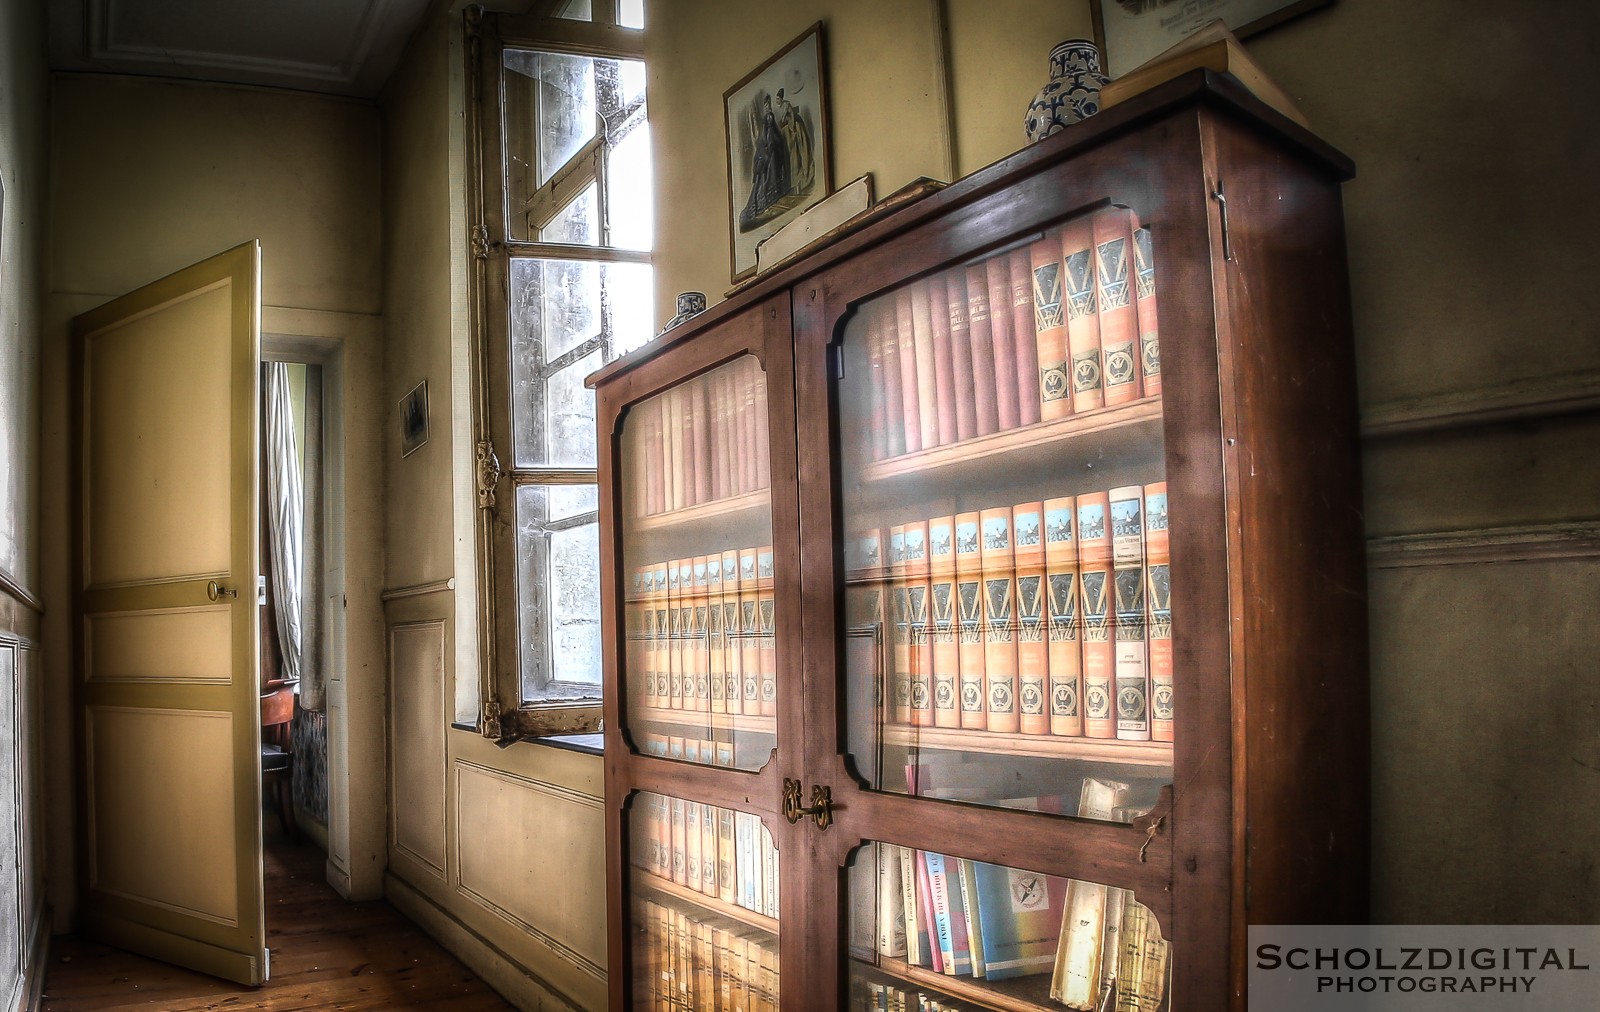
(646, 884)
(1044, 746)
(1133, 423)
(755, 723)
(731, 509)
(1016, 994)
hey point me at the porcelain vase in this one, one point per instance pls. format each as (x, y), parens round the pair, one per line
(1073, 93)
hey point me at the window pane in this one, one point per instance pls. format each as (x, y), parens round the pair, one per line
(550, 116)
(576, 223)
(567, 501)
(558, 589)
(630, 13)
(568, 318)
(575, 599)
(629, 192)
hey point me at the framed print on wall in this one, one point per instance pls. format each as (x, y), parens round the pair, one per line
(776, 123)
(1129, 32)
(414, 419)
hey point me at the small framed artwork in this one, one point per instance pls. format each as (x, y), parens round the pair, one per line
(414, 419)
(1129, 32)
(776, 123)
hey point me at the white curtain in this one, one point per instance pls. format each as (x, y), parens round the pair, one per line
(284, 506)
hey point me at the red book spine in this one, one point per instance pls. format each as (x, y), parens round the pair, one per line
(1083, 323)
(910, 386)
(730, 429)
(997, 307)
(1144, 265)
(1158, 598)
(718, 408)
(1049, 321)
(988, 368)
(893, 389)
(1094, 609)
(872, 325)
(1019, 274)
(928, 407)
(672, 417)
(1119, 321)
(1027, 533)
(964, 388)
(944, 366)
(692, 458)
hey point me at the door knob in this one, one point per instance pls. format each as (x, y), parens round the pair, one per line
(215, 591)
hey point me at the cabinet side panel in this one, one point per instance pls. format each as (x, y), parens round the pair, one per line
(1301, 697)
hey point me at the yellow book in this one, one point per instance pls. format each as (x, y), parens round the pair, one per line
(1214, 48)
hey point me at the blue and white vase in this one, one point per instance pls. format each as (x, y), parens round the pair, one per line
(1073, 93)
(690, 305)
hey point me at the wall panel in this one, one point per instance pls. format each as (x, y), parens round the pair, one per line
(416, 743)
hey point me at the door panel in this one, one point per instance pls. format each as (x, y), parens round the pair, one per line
(169, 636)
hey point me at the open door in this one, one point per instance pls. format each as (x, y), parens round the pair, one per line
(166, 604)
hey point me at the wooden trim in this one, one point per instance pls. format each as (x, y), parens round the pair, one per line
(1521, 543)
(571, 251)
(651, 886)
(1541, 397)
(568, 36)
(1099, 750)
(9, 585)
(418, 589)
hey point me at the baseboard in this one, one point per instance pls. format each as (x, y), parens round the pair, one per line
(35, 962)
(511, 979)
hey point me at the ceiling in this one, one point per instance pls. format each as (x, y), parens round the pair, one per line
(339, 47)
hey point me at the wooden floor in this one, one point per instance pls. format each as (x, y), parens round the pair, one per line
(327, 954)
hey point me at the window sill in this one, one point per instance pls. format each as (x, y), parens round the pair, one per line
(586, 744)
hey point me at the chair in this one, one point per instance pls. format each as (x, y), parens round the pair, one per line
(277, 752)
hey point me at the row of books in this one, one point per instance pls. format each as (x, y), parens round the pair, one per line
(700, 631)
(1066, 325)
(722, 854)
(878, 996)
(961, 918)
(1050, 617)
(689, 962)
(701, 441)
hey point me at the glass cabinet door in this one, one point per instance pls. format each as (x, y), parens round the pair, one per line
(1004, 505)
(701, 662)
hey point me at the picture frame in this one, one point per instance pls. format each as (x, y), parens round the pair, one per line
(414, 419)
(1129, 32)
(776, 137)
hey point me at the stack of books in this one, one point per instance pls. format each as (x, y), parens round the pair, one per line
(697, 962)
(700, 633)
(1064, 326)
(1040, 618)
(701, 441)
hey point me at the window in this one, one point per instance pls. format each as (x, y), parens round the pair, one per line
(563, 286)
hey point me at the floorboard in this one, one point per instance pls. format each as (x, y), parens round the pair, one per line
(328, 955)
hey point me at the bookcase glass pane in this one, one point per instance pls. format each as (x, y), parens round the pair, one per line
(936, 931)
(1007, 623)
(701, 657)
(704, 887)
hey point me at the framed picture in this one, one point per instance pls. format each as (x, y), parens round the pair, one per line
(414, 419)
(777, 140)
(1129, 32)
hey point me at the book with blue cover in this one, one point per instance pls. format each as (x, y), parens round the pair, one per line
(1021, 916)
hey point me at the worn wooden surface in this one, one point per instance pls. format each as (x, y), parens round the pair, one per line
(326, 954)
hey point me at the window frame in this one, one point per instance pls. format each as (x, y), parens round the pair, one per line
(503, 713)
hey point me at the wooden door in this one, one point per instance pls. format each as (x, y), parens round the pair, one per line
(166, 601)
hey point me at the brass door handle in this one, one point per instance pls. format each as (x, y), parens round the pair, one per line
(821, 807)
(215, 591)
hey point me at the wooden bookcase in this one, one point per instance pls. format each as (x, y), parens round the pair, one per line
(763, 434)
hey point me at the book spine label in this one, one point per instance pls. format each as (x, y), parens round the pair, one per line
(951, 410)
(967, 391)
(1094, 610)
(1019, 277)
(988, 367)
(1158, 596)
(939, 907)
(1119, 321)
(993, 275)
(1144, 266)
(928, 406)
(910, 390)
(1065, 661)
(872, 326)
(942, 609)
(1027, 529)
(1050, 330)
(768, 656)
(1127, 559)
(893, 393)
(920, 628)
(971, 686)
(999, 619)
(1083, 322)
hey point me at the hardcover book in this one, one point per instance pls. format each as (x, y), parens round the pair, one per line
(1030, 366)
(1094, 611)
(953, 409)
(1032, 655)
(999, 620)
(919, 628)
(1050, 330)
(989, 366)
(1061, 575)
(1119, 322)
(1158, 595)
(973, 690)
(1021, 913)
(899, 588)
(927, 389)
(910, 388)
(1144, 266)
(1083, 320)
(1127, 555)
(942, 613)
